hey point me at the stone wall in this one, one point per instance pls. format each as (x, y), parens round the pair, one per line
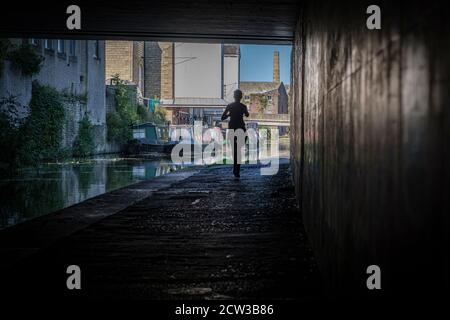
(80, 74)
(152, 62)
(119, 56)
(94, 84)
(13, 83)
(125, 58)
(74, 111)
(138, 64)
(61, 70)
(369, 130)
(167, 70)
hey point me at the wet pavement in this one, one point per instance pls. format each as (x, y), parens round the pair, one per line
(207, 236)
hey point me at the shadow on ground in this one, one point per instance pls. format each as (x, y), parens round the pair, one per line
(206, 237)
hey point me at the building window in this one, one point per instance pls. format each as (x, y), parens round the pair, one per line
(138, 133)
(269, 98)
(96, 50)
(48, 44)
(61, 46)
(246, 97)
(72, 47)
(35, 42)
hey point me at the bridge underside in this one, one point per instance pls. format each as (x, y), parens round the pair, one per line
(232, 21)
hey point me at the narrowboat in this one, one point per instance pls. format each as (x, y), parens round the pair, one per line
(150, 137)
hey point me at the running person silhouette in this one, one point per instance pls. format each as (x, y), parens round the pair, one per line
(236, 112)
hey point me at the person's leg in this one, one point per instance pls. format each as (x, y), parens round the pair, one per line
(235, 164)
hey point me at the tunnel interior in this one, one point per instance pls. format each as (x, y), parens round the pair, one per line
(369, 117)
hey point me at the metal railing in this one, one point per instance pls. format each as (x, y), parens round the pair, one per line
(268, 117)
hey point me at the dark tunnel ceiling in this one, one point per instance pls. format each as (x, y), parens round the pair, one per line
(262, 21)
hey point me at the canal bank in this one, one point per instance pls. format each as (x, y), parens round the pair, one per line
(203, 236)
(27, 238)
(36, 191)
(48, 187)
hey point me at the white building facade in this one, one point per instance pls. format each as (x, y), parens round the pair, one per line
(204, 78)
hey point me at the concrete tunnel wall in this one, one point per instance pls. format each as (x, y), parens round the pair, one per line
(370, 149)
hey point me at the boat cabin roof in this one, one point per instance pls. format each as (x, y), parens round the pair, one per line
(147, 125)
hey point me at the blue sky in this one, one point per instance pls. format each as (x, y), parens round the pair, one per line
(257, 62)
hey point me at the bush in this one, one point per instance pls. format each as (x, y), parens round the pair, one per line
(35, 138)
(42, 131)
(9, 143)
(120, 121)
(118, 129)
(157, 117)
(84, 144)
(5, 44)
(143, 114)
(263, 102)
(10, 122)
(25, 58)
(73, 97)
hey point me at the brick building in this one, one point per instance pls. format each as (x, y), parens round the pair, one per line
(152, 69)
(266, 97)
(190, 80)
(126, 58)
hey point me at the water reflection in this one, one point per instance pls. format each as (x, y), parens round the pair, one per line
(35, 192)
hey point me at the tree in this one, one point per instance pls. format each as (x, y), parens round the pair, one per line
(263, 102)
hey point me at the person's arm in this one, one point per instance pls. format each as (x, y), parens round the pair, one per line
(246, 112)
(226, 113)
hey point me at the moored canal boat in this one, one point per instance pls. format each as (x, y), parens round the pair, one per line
(150, 137)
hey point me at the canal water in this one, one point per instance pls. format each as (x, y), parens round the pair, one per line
(38, 191)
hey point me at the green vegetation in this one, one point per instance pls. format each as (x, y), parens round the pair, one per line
(28, 141)
(119, 121)
(72, 97)
(117, 128)
(25, 58)
(43, 128)
(9, 133)
(127, 113)
(84, 144)
(263, 102)
(32, 134)
(157, 117)
(5, 44)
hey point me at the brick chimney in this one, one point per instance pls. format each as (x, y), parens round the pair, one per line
(276, 67)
